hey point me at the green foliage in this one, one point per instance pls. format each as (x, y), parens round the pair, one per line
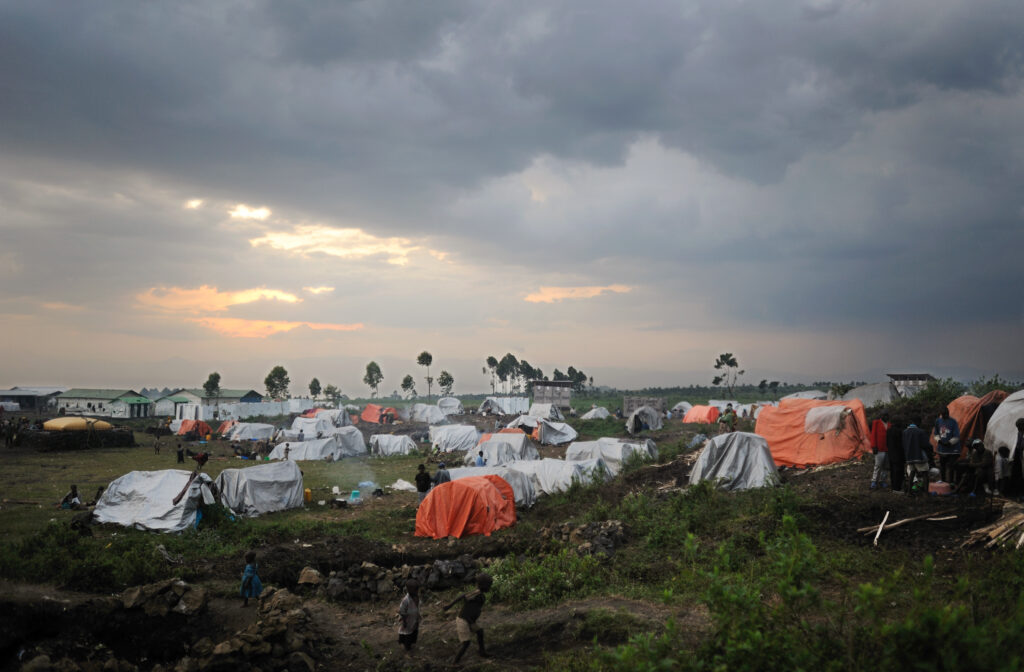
(531, 583)
(373, 377)
(983, 386)
(409, 385)
(446, 381)
(314, 388)
(332, 392)
(212, 385)
(277, 382)
(730, 372)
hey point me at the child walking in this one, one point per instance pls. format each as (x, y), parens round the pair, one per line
(409, 616)
(251, 584)
(466, 622)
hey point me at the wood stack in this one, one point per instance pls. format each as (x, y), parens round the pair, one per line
(1009, 529)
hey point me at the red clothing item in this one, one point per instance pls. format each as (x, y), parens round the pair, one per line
(877, 436)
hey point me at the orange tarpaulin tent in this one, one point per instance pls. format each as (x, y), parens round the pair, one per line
(226, 426)
(197, 426)
(801, 433)
(966, 410)
(472, 505)
(373, 412)
(702, 414)
(506, 430)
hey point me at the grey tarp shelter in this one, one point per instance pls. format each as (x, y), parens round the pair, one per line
(736, 461)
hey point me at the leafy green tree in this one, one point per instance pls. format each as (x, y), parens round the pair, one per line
(508, 370)
(731, 372)
(333, 393)
(373, 376)
(446, 381)
(981, 386)
(314, 388)
(409, 385)
(212, 385)
(492, 366)
(762, 386)
(774, 387)
(277, 382)
(426, 359)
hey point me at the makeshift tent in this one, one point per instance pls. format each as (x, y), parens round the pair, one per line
(450, 406)
(265, 488)
(344, 443)
(550, 476)
(337, 416)
(706, 415)
(312, 428)
(374, 413)
(527, 421)
(472, 505)
(251, 431)
(350, 441)
(817, 395)
(225, 427)
(642, 419)
(550, 433)
(197, 426)
(77, 424)
(972, 415)
(144, 500)
(522, 487)
(426, 413)
(806, 432)
(545, 411)
(736, 461)
(352, 408)
(453, 438)
(614, 452)
(681, 408)
(503, 448)
(873, 394)
(385, 445)
(504, 405)
(596, 413)
(1002, 429)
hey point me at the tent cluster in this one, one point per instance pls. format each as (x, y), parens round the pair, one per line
(341, 442)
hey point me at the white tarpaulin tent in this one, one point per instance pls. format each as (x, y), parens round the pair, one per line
(555, 433)
(265, 488)
(450, 406)
(596, 413)
(314, 449)
(1002, 427)
(143, 500)
(503, 448)
(614, 452)
(505, 405)
(312, 427)
(681, 408)
(338, 416)
(645, 415)
(426, 413)
(873, 394)
(523, 421)
(816, 395)
(453, 438)
(550, 476)
(391, 444)
(736, 461)
(350, 441)
(251, 431)
(546, 411)
(522, 486)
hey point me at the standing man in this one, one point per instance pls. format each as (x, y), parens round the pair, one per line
(442, 475)
(423, 482)
(880, 447)
(915, 450)
(946, 433)
(181, 454)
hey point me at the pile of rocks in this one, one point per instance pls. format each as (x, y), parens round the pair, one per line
(164, 597)
(599, 538)
(368, 582)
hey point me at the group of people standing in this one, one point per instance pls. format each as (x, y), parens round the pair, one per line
(424, 481)
(904, 457)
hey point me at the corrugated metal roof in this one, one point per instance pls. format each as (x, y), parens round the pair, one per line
(86, 393)
(135, 400)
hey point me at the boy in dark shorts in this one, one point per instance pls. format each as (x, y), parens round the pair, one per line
(466, 622)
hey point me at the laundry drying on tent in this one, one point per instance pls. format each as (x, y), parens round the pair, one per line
(472, 505)
(264, 488)
(736, 461)
(615, 452)
(804, 432)
(385, 445)
(144, 500)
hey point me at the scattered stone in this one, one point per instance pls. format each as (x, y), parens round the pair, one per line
(310, 576)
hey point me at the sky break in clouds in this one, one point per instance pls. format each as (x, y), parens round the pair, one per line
(827, 188)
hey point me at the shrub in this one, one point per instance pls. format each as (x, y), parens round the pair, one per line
(531, 583)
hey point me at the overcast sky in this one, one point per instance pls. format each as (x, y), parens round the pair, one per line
(828, 189)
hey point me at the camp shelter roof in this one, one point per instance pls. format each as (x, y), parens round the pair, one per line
(391, 444)
(550, 476)
(87, 393)
(972, 416)
(453, 438)
(550, 433)
(504, 448)
(505, 405)
(645, 415)
(427, 413)
(808, 394)
(225, 427)
(472, 505)
(198, 426)
(134, 400)
(335, 446)
(702, 414)
(144, 500)
(251, 431)
(546, 411)
(873, 394)
(736, 461)
(596, 413)
(523, 421)
(264, 488)
(76, 424)
(1002, 429)
(312, 427)
(372, 413)
(522, 486)
(807, 432)
(614, 452)
(682, 407)
(350, 441)
(450, 406)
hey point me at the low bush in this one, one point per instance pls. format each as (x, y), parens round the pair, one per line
(538, 582)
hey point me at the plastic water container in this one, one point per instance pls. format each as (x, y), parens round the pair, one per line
(308, 495)
(355, 498)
